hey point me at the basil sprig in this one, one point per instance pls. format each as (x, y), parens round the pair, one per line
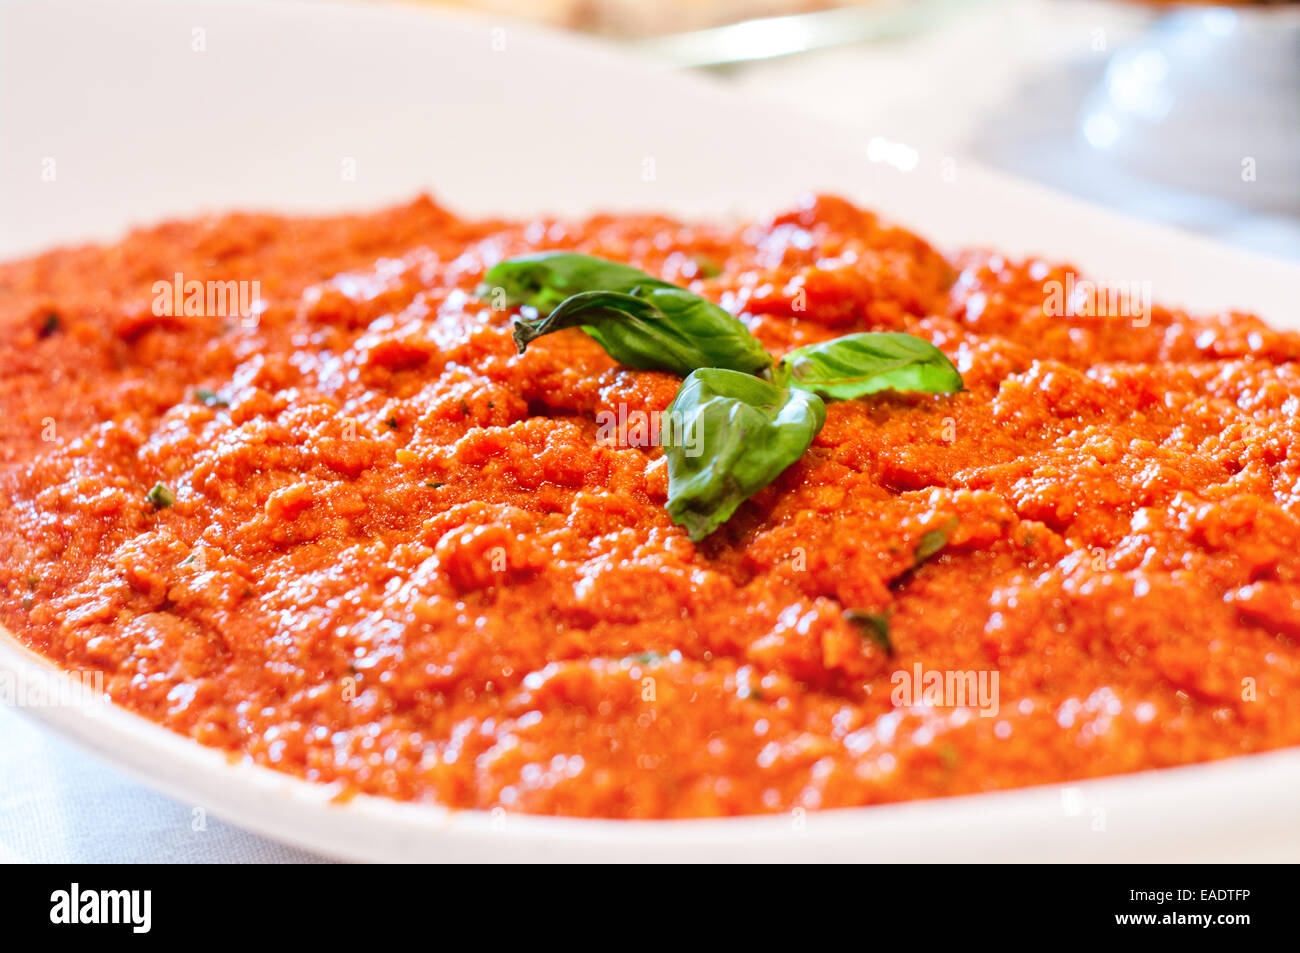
(731, 434)
(738, 419)
(664, 329)
(639, 320)
(859, 364)
(544, 279)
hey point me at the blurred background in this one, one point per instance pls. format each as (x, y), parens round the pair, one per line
(1184, 113)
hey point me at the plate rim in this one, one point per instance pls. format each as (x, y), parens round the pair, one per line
(261, 799)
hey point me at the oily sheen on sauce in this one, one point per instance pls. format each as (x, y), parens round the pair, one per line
(397, 556)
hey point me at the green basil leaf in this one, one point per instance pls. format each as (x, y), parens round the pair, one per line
(639, 320)
(666, 329)
(544, 279)
(861, 364)
(729, 435)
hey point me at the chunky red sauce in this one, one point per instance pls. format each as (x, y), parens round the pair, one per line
(401, 560)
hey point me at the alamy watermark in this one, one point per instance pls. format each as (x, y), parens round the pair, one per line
(44, 688)
(133, 908)
(223, 299)
(946, 688)
(1082, 298)
(624, 427)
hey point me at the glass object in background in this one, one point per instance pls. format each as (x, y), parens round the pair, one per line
(769, 37)
(717, 32)
(1207, 100)
(641, 18)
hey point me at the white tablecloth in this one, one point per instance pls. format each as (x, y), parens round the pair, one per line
(59, 805)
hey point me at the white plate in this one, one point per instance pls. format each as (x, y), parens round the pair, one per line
(497, 117)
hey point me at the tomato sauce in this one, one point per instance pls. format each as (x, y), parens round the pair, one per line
(401, 558)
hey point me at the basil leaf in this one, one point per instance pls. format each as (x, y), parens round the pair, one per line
(665, 329)
(544, 279)
(639, 320)
(729, 435)
(859, 364)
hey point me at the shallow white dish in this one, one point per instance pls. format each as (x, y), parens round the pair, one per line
(495, 117)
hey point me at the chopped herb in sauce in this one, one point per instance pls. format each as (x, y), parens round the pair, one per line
(161, 497)
(706, 267)
(932, 541)
(949, 755)
(210, 398)
(873, 626)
